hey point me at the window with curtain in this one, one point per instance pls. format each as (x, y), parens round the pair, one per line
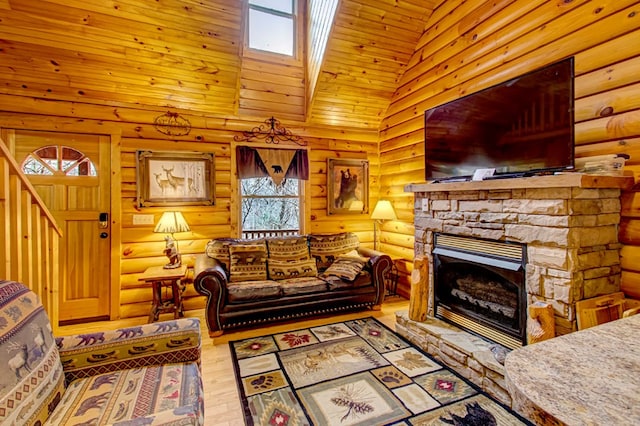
(269, 209)
(270, 190)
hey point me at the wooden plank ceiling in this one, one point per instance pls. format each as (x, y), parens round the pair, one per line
(186, 55)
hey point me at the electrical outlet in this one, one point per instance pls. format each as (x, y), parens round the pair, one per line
(143, 219)
(425, 204)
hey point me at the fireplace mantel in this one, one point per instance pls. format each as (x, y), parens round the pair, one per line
(563, 180)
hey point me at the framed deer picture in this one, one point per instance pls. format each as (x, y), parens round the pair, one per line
(175, 178)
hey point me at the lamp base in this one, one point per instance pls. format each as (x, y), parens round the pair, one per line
(172, 265)
(171, 251)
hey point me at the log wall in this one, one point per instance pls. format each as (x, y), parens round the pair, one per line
(139, 246)
(469, 46)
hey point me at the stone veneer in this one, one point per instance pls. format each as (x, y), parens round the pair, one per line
(569, 223)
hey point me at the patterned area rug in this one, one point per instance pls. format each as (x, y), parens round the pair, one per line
(354, 373)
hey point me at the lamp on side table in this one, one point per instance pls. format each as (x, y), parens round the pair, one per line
(170, 223)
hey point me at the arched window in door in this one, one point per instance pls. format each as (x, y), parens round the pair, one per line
(58, 160)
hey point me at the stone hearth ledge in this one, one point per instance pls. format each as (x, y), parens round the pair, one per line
(590, 377)
(467, 354)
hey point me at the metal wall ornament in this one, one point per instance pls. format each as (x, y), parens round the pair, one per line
(172, 124)
(270, 132)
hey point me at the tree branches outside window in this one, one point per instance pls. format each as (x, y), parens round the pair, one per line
(266, 206)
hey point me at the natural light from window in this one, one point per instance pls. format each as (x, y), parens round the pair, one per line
(266, 206)
(58, 160)
(271, 26)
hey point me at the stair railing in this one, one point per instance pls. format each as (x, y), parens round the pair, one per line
(29, 235)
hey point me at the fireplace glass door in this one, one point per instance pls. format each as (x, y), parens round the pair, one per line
(480, 286)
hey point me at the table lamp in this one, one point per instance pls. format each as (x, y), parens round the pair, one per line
(383, 211)
(170, 223)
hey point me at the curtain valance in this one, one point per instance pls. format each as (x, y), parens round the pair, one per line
(278, 164)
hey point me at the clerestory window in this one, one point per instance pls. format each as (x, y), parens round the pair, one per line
(272, 26)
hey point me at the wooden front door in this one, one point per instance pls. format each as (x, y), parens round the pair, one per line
(71, 173)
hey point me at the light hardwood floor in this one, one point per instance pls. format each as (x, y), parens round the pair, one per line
(222, 405)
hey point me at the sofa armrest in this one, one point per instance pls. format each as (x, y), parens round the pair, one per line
(380, 265)
(165, 342)
(211, 281)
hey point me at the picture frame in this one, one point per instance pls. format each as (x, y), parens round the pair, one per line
(167, 178)
(347, 182)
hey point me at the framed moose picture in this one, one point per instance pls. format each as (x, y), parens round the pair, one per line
(175, 178)
(347, 186)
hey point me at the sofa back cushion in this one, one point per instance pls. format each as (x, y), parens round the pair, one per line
(219, 249)
(325, 248)
(284, 269)
(248, 261)
(31, 376)
(288, 248)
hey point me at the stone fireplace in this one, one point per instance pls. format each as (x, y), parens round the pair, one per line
(560, 233)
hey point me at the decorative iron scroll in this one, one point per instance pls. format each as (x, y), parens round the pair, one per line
(172, 124)
(271, 132)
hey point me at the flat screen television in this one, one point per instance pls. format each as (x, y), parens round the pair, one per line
(520, 127)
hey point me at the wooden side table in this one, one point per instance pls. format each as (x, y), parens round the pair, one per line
(160, 277)
(392, 276)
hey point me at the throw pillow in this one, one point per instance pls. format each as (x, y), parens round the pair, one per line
(283, 269)
(248, 262)
(219, 249)
(288, 248)
(345, 267)
(325, 248)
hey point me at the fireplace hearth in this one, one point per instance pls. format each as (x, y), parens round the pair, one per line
(480, 286)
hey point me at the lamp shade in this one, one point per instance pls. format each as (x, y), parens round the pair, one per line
(384, 211)
(171, 222)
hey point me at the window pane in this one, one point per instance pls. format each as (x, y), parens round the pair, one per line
(266, 206)
(271, 213)
(270, 32)
(285, 6)
(32, 166)
(265, 187)
(49, 152)
(53, 163)
(70, 154)
(84, 168)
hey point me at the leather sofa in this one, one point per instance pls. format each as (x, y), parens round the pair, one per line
(148, 374)
(249, 282)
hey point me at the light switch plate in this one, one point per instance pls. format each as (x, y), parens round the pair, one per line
(425, 204)
(143, 219)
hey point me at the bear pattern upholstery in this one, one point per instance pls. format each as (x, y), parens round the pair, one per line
(138, 375)
(31, 378)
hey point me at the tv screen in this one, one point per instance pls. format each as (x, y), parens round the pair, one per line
(519, 127)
